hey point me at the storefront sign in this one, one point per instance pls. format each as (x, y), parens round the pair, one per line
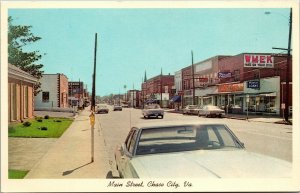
(224, 74)
(239, 87)
(258, 61)
(253, 84)
(203, 80)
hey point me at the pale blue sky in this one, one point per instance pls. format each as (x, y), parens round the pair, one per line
(131, 41)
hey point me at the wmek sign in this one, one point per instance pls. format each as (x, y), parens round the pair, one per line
(258, 61)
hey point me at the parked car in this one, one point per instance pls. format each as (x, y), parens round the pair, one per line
(153, 110)
(124, 105)
(190, 110)
(211, 111)
(194, 150)
(101, 108)
(117, 108)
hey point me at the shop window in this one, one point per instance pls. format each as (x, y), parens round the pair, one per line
(45, 97)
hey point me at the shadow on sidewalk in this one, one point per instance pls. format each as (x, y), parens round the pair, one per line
(110, 175)
(65, 173)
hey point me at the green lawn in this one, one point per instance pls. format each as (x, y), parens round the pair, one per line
(55, 128)
(16, 174)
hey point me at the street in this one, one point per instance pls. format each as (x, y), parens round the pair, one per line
(266, 138)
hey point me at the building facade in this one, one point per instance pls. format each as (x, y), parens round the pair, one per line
(253, 82)
(54, 92)
(158, 89)
(20, 94)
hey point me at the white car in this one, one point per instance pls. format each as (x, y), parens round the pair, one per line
(178, 150)
(211, 111)
(153, 110)
(190, 110)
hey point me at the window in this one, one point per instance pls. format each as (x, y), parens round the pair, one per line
(45, 97)
(25, 101)
(13, 102)
(132, 142)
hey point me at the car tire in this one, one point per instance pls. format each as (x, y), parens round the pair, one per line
(162, 117)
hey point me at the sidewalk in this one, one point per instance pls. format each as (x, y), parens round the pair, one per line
(251, 117)
(70, 155)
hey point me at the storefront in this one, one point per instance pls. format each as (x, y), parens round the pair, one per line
(207, 96)
(266, 98)
(230, 97)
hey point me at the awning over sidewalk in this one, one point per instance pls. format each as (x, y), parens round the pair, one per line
(176, 99)
(151, 101)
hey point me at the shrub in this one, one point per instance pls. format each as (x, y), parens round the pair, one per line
(26, 124)
(44, 128)
(57, 120)
(46, 117)
(40, 120)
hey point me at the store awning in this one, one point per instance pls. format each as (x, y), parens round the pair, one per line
(151, 101)
(270, 94)
(176, 99)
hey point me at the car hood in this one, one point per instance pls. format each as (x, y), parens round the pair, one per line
(211, 164)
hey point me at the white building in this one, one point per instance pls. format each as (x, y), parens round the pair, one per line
(54, 92)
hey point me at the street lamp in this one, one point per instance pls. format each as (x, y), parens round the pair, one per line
(287, 96)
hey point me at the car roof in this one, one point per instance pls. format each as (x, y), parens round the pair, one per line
(158, 124)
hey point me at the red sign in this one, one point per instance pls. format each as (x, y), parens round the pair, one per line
(203, 79)
(231, 87)
(258, 61)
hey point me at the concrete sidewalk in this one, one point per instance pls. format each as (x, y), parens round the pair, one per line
(70, 155)
(251, 117)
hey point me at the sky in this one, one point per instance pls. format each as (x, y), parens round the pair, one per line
(132, 41)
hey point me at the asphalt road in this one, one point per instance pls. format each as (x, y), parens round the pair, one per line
(266, 138)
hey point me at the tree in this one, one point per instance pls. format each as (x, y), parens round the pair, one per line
(18, 37)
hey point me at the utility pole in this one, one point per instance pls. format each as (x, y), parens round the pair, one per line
(287, 82)
(287, 76)
(92, 116)
(94, 76)
(161, 88)
(193, 77)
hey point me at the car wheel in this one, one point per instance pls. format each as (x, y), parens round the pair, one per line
(162, 117)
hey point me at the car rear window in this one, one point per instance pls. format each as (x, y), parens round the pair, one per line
(185, 138)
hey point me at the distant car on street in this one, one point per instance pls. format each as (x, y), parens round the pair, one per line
(153, 110)
(211, 111)
(102, 108)
(117, 108)
(190, 110)
(194, 150)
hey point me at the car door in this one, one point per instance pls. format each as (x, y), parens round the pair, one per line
(201, 112)
(128, 149)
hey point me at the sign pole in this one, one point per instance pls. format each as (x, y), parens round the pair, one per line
(247, 102)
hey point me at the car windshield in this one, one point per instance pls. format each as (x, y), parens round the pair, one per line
(192, 106)
(102, 106)
(185, 138)
(152, 107)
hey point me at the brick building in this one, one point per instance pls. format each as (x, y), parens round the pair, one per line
(20, 94)
(227, 82)
(54, 92)
(158, 89)
(259, 76)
